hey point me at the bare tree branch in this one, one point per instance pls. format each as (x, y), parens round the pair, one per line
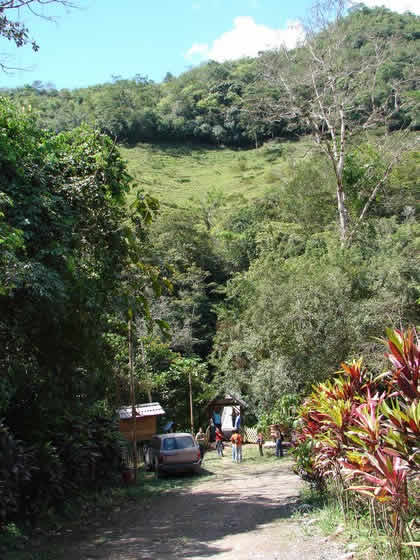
(12, 29)
(396, 158)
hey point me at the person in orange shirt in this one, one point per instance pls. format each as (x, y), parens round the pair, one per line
(236, 440)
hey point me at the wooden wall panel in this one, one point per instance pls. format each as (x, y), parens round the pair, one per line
(145, 427)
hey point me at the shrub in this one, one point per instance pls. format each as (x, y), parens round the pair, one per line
(84, 452)
(362, 433)
(15, 469)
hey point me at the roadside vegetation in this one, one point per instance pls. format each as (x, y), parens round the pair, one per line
(358, 438)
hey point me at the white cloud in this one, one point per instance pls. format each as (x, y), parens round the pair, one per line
(247, 38)
(400, 6)
(200, 49)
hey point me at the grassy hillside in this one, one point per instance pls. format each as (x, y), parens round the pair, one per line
(175, 174)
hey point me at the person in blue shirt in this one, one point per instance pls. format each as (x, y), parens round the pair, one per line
(238, 421)
(217, 419)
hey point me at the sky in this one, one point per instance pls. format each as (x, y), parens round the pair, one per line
(104, 38)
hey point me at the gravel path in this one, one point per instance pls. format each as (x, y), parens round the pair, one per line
(241, 513)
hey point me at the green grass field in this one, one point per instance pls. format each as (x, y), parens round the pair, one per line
(175, 173)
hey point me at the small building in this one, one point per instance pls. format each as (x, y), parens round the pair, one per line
(145, 421)
(228, 406)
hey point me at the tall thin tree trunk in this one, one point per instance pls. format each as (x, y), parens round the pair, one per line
(191, 403)
(342, 212)
(133, 395)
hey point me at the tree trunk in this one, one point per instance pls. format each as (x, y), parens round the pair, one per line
(342, 212)
(132, 395)
(191, 403)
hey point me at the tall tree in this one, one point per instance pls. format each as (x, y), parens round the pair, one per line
(331, 86)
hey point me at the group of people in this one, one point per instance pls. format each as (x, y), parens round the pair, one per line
(236, 441)
(236, 438)
(215, 429)
(278, 438)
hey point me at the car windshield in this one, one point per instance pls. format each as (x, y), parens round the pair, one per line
(169, 444)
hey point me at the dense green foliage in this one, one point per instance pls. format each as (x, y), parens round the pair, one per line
(65, 198)
(63, 249)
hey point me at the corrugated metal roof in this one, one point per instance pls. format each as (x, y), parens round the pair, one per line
(227, 400)
(148, 409)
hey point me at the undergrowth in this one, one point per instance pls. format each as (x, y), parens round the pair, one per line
(368, 540)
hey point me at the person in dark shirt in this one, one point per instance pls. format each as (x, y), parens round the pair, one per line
(260, 441)
(238, 421)
(279, 443)
(219, 442)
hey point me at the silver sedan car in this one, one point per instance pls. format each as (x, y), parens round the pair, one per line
(168, 453)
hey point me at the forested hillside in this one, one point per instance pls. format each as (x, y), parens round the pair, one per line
(218, 103)
(258, 236)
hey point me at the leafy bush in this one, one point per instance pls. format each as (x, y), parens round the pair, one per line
(365, 431)
(89, 448)
(62, 209)
(14, 472)
(284, 412)
(85, 452)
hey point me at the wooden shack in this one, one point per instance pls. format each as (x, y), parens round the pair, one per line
(228, 407)
(145, 421)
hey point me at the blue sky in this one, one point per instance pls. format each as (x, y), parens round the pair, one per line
(102, 38)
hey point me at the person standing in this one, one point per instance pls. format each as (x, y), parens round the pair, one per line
(219, 442)
(238, 421)
(279, 443)
(260, 441)
(217, 419)
(200, 439)
(234, 414)
(212, 430)
(236, 440)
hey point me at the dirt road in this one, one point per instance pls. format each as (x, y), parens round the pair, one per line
(237, 512)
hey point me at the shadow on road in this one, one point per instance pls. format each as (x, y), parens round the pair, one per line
(177, 525)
